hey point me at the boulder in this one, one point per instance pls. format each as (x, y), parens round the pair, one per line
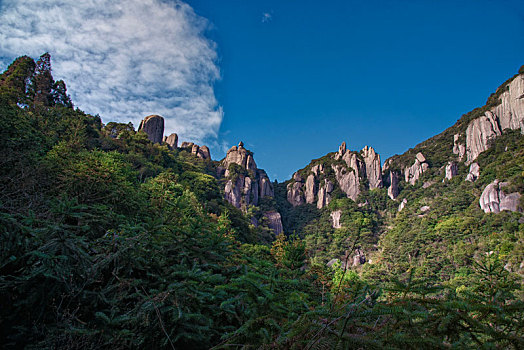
(451, 170)
(474, 171)
(413, 173)
(479, 133)
(335, 218)
(494, 200)
(172, 141)
(153, 126)
(204, 152)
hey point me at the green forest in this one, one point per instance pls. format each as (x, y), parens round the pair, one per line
(110, 241)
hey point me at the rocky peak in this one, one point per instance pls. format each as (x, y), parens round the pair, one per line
(171, 141)
(153, 126)
(241, 156)
(373, 167)
(246, 187)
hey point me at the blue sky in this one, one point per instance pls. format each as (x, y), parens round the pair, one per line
(300, 77)
(292, 79)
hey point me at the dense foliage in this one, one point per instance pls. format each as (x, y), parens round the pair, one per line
(110, 241)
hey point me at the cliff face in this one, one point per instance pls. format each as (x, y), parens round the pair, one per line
(344, 170)
(153, 126)
(245, 183)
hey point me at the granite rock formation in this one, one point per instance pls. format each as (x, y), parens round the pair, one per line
(324, 194)
(510, 111)
(413, 173)
(451, 170)
(474, 171)
(153, 126)
(274, 221)
(402, 204)
(171, 141)
(335, 218)
(373, 167)
(393, 185)
(479, 133)
(494, 200)
(245, 184)
(458, 148)
(199, 151)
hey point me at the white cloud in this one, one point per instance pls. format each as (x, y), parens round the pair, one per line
(123, 59)
(266, 17)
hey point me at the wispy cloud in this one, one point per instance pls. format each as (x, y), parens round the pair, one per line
(123, 59)
(266, 17)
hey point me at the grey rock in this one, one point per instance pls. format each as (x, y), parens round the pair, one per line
(335, 218)
(172, 141)
(348, 181)
(413, 173)
(494, 200)
(373, 167)
(359, 258)
(393, 185)
(451, 170)
(239, 155)
(324, 194)
(318, 169)
(204, 152)
(274, 221)
(265, 186)
(402, 204)
(294, 193)
(311, 189)
(474, 171)
(510, 111)
(458, 148)
(424, 208)
(479, 134)
(153, 126)
(186, 144)
(420, 157)
(247, 190)
(332, 262)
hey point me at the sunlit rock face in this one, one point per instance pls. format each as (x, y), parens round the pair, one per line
(479, 133)
(494, 200)
(373, 167)
(510, 111)
(474, 172)
(153, 126)
(247, 187)
(413, 173)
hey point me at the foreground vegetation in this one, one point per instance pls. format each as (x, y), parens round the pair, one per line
(110, 241)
